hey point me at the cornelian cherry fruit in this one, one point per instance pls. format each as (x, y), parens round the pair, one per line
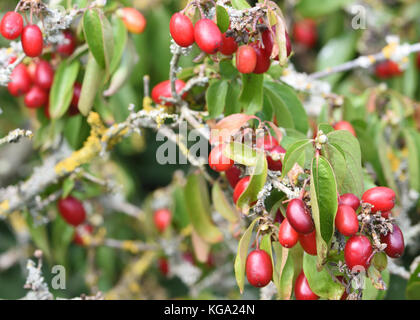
(233, 175)
(288, 237)
(302, 289)
(77, 90)
(229, 45)
(275, 165)
(32, 41)
(36, 97)
(344, 125)
(44, 75)
(263, 58)
(240, 188)
(381, 198)
(305, 33)
(181, 29)
(11, 25)
(246, 59)
(358, 252)
(133, 20)
(259, 269)
(67, 48)
(308, 242)
(72, 211)
(299, 216)
(163, 266)
(162, 218)
(20, 81)
(349, 199)
(163, 89)
(207, 36)
(218, 161)
(394, 242)
(346, 220)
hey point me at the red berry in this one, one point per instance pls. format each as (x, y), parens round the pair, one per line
(304, 32)
(394, 242)
(11, 25)
(382, 198)
(279, 217)
(44, 75)
(268, 142)
(386, 214)
(72, 211)
(299, 216)
(268, 41)
(387, 69)
(358, 252)
(346, 220)
(133, 20)
(66, 49)
(182, 30)
(36, 97)
(308, 242)
(246, 59)
(233, 174)
(288, 237)
(349, 199)
(302, 289)
(275, 165)
(77, 89)
(240, 188)
(162, 219)
(32, 41)
(188, 256)
(229, 45)
(259, 269)
(344, 125)
(163, 89)
(218, 161)
(20, 81)
(207, 36)
(163, 265)
(263, 58)
(80, 232)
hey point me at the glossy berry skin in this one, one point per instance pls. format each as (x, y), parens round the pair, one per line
(344, 125)
(133, 20)
(346, 221)
(246, 59)
(302, 289)
(394, 242)
(240, 188)
(263, 58)
(66, 49)
(36, 97)
(299, 217)
(268, 41)
(233, 175)
(11, 25)
(386, 214)
(218, 161)
(207, 36)
(259, 269)
(349, 199)
(20, 81)
(305, 33)
(163, 266)
(72, 211)
(78, 234)
(162, 218)
(308, 242)
(163, 89)
(77, 89)
(275, 165)
(44, 75)
(229, 45)
(387, 69)
(358, 252)
(382, 198)
(288, 237)
(32, 41)
(181, 29)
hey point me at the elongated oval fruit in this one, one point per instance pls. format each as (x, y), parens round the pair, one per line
(218, 161)
(233, 175)
(229, 45)
(36, 97)
(344, 125)
(288, 237)
(163, 89)
(133, 20)
(11, 25)
(77, 90)
(299, 217)
(181, 29)
(263, 58)
(302, 289)
(44, 75)
(207, 36)
(240, 188)
(162, 218)
(275, 165)
(381, 198)
(246, 59)
(32, 41)
(259, 269)
(20, 81)
(394, 242)
(308, 242)
(346, 220)
(305, 33)
(72, 211)
(67, 48)
(387, 69)
(349, 199)
(358, 253)
(268, 41)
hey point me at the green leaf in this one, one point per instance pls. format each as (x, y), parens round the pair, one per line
(240, 4)
(232, 99)
(296, 153)
(222, 17)
(311, 8)
(76, 131)
(286, 276)
(39, 236)
(413, 285)
(410, 77)
(241, 153)
(62, 235)
(385, 151)
(120, 41)
(62, 88)
(68, 185)
(242, 254)
(412, 139)
(227, 70)
(181, 217)
(216, 97)
(222, 205)
(251, 97)
(198, 208)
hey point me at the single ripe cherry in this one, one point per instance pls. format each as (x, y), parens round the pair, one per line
(218, 161)
(382, 198)
(133, 20)
(67, 48)
(80, 232)
(163, 89)
(346, 220)
(259, 269)
(181, 29)
(240, 188)
(207, 36)
(162, 218)
(163, 266)
(229, 45)
(288, 237)
(305, 33)
(263, 58)
(349, 199)
(302, 289)
(344, 125)
(77, 89)
(72, 211)
(308, 242)
(246, 59)
(36, 97)
(387, 69)
(20, 81)
(32, 41)
(233, 175)
(276, 152)
(299, 216)
(358, 252)
(11, 25)
(394, 242)
(44, 75)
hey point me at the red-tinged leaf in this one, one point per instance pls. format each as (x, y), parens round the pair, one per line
(279, 134)
(201, 248)
(228, 126)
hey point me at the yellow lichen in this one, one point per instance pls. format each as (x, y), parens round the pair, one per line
(4, 207)
(130, 246)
